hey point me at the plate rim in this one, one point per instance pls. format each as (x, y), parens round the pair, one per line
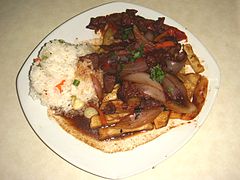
(82, 12)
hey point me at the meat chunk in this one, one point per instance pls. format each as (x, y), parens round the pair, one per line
(94, 58)
(109, 108)
(128, 90)
(127, 19)
(108, 82)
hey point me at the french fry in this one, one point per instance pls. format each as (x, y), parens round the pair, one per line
(175, 115)
(181, 76)
(161, 120)
(183, 70)
(111, 119)
(199, 97)
(189, 116)
(148, 126)
(105, 133)
(117, 103)
(200, 93)
(193, 59)
(112, 95)
(190, 82)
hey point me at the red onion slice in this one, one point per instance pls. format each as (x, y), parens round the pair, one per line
(143, 78)
(177, 93)
(153, 92)
(189, 107)
(137, 66)
(137, 120)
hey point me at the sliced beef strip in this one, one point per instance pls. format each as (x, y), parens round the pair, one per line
(108, 82)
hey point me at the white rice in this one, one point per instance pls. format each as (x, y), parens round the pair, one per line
(58, 65)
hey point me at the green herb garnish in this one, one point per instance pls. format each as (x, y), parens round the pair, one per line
(170, 90)
(126, 32)
(76, 82)
(157, 74)
(136, 53)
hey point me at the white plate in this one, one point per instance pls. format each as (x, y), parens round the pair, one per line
(117, 165)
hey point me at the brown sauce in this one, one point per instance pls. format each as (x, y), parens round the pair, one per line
(82, 124)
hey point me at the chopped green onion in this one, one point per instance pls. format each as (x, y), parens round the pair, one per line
(170, 90)
(136, 53)
(76, 82)
(157, 74)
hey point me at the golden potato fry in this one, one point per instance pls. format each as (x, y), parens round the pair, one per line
(175, 115)
(189, 116)
(148, 126)
(111, 119)
(183, 70)
(119, 107)
(199, 97)
(200, 93)
(190, 82)
(193, 59)
(162, 119)
(112, 95)
(105, 133)
(181, 76)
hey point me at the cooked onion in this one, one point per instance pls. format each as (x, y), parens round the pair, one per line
(97, 86)
(189, 107)
(137, 120)
(171, 90)
(177, 83)
(143, 78)
(176, 91)
(137, 66)
(152, 92)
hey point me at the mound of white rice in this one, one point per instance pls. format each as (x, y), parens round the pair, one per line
(54, 71)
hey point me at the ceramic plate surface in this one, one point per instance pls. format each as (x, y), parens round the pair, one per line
(81, 155)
